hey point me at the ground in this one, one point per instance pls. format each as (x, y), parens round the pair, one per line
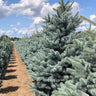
(17, 78)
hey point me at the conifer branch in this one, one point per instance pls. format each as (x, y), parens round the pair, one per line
(67, 3)
(72, 4)
(90, 21)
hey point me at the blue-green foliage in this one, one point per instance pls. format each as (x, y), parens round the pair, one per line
(5, 50)
(69, 89)
(83, 65)
(44, 53)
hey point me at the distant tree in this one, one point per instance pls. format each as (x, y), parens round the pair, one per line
(4, 37)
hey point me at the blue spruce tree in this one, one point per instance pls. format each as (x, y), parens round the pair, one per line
(48, 64)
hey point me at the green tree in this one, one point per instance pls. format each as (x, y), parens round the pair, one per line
(48, 67)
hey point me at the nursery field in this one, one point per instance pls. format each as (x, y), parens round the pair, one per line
(59, 60)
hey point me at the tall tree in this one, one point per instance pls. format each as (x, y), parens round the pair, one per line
(48, 67)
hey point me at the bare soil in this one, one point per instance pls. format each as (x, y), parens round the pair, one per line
(17, 78)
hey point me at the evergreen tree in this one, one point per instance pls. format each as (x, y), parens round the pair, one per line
(60, 27)
(48, 64)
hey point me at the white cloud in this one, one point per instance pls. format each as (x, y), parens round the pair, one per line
(15, 29)
(93, 27)
(18, 23)
(37, 9)
(4, 9)
(25, 30)
(92, 17)
(34, 8)
(11, 25)
(48, 9)
(27, 7)
(75, 8)
(2, 31)
(84, 23)
(37, 20)
(87, 24)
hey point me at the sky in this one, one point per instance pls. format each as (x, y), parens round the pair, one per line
(18, 17)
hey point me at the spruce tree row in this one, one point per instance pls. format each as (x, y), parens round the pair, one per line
(60, 60)
(5, 50)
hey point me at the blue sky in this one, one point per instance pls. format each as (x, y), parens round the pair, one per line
(18, 17)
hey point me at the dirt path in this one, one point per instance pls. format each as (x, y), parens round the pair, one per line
(17, 78)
